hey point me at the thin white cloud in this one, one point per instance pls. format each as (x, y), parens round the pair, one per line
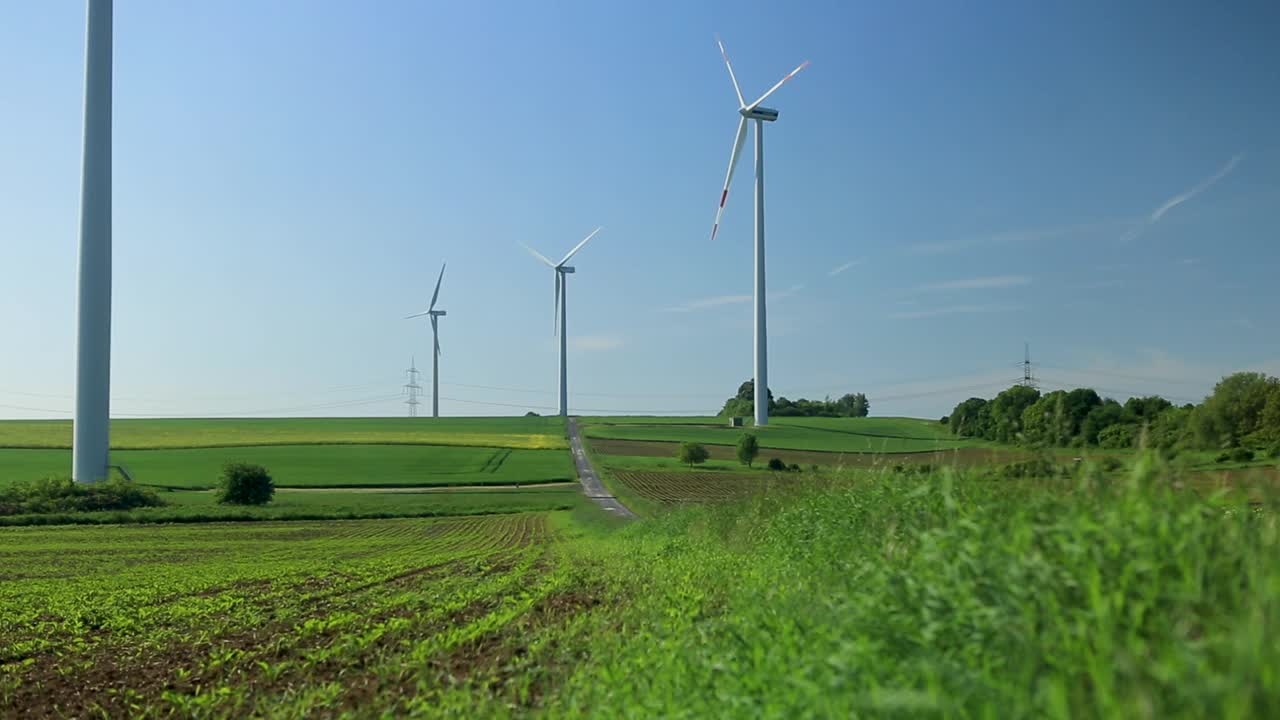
(591, 343)
(1205, 184)
(786, 293)
(841, 268)
(949, 310)
(1097, 285)
(1011, 237)
(721, 300)
(710, 302)
(979, 283)
(1189, 261)
(1182, 197)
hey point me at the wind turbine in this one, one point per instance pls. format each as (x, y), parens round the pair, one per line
(435, 342)
(91, 427)
(760, 115)
(558, 321)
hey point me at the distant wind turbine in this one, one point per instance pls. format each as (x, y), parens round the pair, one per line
(761, 115)
(559, 315)
(435, 342)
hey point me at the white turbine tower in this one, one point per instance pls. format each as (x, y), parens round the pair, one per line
(435, 342)
(558, 323)
(93, 304)
(761, 115)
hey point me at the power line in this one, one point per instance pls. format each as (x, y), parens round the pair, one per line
(1117, 392)
(1125, 376)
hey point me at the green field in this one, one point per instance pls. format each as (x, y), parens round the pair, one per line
(191, 507)
(316, 617)
(850, 435)
(316, 465)
(521, 432)
(873, 594)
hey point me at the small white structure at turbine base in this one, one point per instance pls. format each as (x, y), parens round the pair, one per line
(760, 115)
(560, 314)
(91, 425)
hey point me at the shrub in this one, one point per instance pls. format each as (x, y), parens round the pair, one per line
(1038, 468)
(1241, 455)
(1111, 464)
(61, 495)
(1116, 437)
(777, 465)
(1275, 451)
(1222, 457)
(692, 453)
(793, 467)
(245, 484)
(748, 448)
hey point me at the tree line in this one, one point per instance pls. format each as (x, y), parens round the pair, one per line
(743, 405)
(1242, 412)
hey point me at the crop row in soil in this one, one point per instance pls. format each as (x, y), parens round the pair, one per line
(315, 616)
(685, 487)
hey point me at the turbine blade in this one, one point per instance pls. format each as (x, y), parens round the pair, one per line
(790, 75)
(555, 309)
(435, 333)
(436, 294)
(537, 254)
(733, 163)
(732, 77)
(578, 247)
(424, 312)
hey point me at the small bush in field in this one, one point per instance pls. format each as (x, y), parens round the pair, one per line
(245, 484)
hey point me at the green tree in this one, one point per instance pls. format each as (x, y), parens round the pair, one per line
(967, 419)
(692, 453)
(744, 403)
(853, 405)
(1171, 428)
(1116, 437)
(1235, 412)
(1100, 418)
(1146, 409)
(1046, 421)
(1077, 405)
(1006, 413)
(748, 448)
(1271, 415)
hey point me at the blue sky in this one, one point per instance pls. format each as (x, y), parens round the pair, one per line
(945, 182)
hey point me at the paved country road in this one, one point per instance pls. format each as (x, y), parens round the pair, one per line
(591, 484)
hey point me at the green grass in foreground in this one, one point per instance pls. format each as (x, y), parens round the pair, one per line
(510, 432)
(194, 507)
(936, 597)
(316, 465)
(873, 595)
(853, 435)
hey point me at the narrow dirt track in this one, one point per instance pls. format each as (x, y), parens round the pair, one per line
(591, 484)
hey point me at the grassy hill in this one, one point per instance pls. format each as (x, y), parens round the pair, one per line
(521, 432)
(849, 435)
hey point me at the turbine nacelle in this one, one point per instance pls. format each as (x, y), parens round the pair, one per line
(566, 269)
(759, 113)
(437, 313)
